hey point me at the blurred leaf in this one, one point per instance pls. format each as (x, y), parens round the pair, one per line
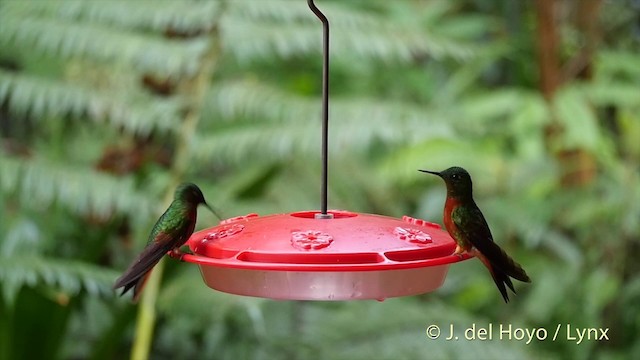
(64, 276)
(41, 98)
(578, 117)
(40, 184)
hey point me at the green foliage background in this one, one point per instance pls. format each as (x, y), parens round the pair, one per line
(106, 105)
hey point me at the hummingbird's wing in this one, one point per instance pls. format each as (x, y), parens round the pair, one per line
(170, 231)
(472, 225)
(149, 257)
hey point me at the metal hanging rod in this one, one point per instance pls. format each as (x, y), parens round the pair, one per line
(325, 110)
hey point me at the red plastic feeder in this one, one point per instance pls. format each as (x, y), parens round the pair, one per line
(297, 256)
(323, 255)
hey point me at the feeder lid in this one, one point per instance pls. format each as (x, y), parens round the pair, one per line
(299, 256)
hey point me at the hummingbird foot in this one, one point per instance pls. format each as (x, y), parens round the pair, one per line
(177, 254)
(459, 251)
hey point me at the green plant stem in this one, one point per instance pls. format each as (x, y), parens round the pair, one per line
(194, 89)
(147, 314)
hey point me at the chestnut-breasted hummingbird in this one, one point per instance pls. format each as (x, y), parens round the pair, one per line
(467, 226)
(169, 233)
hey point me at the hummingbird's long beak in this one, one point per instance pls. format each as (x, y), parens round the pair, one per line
(213, 211)
(431, 172)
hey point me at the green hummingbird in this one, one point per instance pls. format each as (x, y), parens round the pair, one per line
(467, 226)
(169, 233)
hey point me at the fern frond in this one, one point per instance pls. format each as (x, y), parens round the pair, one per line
(367, 33)
(157, 15)
(276, 123)
(67, 40)
(286, 11)
(21, 236)
(250, 30)
(256, 141)
(48, 98)
(256, 29)
(246, 39)
(40, 183)
(64, 275)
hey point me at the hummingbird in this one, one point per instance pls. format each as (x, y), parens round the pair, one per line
(169, 233)
(467, 226)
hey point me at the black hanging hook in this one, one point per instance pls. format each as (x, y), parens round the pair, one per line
(325, 110)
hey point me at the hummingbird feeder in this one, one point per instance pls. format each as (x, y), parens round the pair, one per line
(326, 254)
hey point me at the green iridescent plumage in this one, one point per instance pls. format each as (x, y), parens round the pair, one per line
(170, 232)
(468, 227)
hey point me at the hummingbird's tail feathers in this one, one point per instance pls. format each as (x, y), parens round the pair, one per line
(471, 223)
(517, 272)
(499, 277)
(125, 288)
(502, 261)
(512, 268)
(507, 280)
(139, 285)
(141, 267)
